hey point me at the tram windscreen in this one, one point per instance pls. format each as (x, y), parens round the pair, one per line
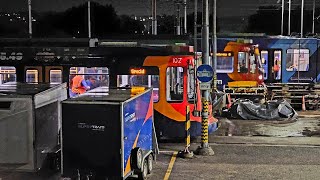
(83, 79)
(140, 80)
(243, 59)
(225, 62)
(7, 74)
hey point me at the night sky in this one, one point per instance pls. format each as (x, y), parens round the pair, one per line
(143, 7)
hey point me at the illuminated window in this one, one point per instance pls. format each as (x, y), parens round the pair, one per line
(55, 76)
(7, 74)
(225, 64)
(191, 86)
(32, 76)
(264, 61)
(243, 58)
(93, 77)
(140, 80)
(277, 64)
(174, 84)
(297, 60)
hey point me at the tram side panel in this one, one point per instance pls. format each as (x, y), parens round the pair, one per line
(298, 58)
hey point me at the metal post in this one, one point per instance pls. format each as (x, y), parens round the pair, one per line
(89, 19)
(185, 16)
(154, 17)
(195, 46)
(178, 20)
(186, 153)
(313, 12)
(289, 19)
(302, 4)
(205, 149)
(214, 48)
(30, 19)
(195, 27)
(282, 16)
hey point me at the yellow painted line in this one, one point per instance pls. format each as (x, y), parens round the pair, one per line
(173, 159)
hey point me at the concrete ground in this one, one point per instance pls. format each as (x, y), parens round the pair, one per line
(243, 150)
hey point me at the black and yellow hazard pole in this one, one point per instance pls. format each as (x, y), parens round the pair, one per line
(205, 149)
(186, 153)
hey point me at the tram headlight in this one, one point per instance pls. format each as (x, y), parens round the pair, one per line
(260, 77)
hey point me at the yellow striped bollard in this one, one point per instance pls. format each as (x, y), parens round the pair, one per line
(186, 153)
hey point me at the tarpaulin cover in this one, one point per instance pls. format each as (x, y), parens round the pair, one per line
(271, 110)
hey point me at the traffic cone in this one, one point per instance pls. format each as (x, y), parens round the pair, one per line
(229, 101)
(303, 104)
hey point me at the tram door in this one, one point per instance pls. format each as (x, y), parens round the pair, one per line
(53, 74)
(271, 64)
(33, 74)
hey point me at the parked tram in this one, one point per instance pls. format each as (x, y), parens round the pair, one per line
(284, 59)
(168, 70)
(239, 64)
(290, 59)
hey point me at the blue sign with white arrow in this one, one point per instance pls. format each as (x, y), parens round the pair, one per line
(204, 73)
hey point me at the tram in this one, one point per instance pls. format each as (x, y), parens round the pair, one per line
(168, 70)
(284, 59)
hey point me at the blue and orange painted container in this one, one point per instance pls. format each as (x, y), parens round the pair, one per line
(100, 131)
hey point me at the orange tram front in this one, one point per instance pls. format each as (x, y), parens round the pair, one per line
(177, 89)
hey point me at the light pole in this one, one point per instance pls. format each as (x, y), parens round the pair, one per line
(282, 16)
(289, 19)
(302, 4)
(154, 17)
(30, 19)
(313, 12)
(185, 16)
(178, 27)
(214, 48)
(205, 149)
(89, 19)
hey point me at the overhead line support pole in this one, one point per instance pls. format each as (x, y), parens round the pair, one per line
(205, 149)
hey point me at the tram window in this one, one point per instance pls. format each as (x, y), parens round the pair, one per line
(93, 77)
(55, 76)
(7, 74)
(141, 80)
(32, 76)
(191, 86)
(174, 84)
(243, 62)
(264, 61)
(225, 64)
(297, 60)
(277, 65)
